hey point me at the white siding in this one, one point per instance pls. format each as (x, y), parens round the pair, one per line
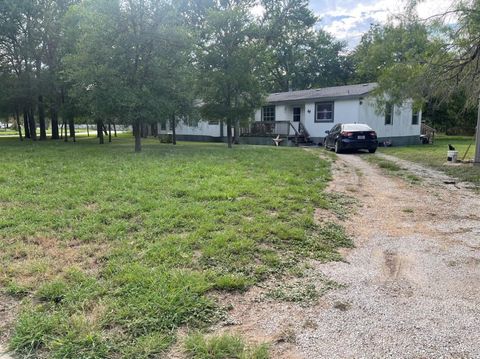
(351, 111)
(202, 129)
(402, 120)
(344, 111)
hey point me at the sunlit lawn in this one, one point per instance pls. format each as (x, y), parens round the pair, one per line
(110, 251)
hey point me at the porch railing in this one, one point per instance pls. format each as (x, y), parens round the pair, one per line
(277, 128)
(270, 128)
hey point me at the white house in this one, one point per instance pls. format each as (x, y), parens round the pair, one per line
(304, 116)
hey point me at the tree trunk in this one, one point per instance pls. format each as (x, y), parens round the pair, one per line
(137, 132)
(88, 131)
(236, 132)
(32, 125)
(61, 131)
(71, 126)
(65, 129)
(114, 129)
(109, 132)
(144, 130)
(55, 132)
(229, 133)
(26, 124)
(19, 126)
(41, 119)
(174, 130)
(104, 129)
(100, 132)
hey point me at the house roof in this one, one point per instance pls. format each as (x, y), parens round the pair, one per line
(323, 93)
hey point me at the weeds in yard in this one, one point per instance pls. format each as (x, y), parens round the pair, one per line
(112, 251)
(225, 346)
(302, 291)
(299, 293)
(394, 169)
(340, 204)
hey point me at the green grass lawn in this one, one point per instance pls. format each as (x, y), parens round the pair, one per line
(78, 132)
(9, 132)
(110, 251)
(436, 156)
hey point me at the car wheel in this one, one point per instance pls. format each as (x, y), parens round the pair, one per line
(337, 147)
(325, 144)
(372, 150)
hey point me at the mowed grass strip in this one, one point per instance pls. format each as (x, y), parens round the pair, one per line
(435, 156)
(110, 251)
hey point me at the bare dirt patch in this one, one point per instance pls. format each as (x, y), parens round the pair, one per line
(411, 287)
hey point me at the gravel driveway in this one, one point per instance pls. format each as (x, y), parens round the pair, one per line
(411, 285)
(413, 281)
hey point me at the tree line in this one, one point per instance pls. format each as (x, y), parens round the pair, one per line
(140, 62)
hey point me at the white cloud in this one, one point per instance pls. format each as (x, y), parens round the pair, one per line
(348, 20)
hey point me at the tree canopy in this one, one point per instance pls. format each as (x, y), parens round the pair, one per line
(140, 62)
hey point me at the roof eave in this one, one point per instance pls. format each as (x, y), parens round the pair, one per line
(320, 99)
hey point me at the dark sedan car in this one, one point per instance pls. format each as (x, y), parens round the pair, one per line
(351, 136)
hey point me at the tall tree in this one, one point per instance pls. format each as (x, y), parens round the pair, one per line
(299, 56)
(20, 41)
(394, 55)
(228, 61)
(118, 66)
(56, 45)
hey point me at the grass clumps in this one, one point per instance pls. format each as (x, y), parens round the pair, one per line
(16, 290)
(198, 346)
(301, 291)
(112, 251)
(232, 282)
(59, 320)
(39, 330)
(394, 169)
(295, 293)
(340, 204)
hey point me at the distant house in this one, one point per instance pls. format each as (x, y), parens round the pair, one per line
(304, 116)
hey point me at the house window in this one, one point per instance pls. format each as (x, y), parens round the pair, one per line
(268, 113)
(389, 114)
(297, 111)
(163, 126)
(415, 117)
(324, 112)
(213, 122)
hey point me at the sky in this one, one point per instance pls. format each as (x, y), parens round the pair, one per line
(348, 19)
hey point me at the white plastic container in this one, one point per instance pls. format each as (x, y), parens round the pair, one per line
(452, 156)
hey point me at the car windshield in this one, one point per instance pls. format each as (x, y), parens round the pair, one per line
(356, 127)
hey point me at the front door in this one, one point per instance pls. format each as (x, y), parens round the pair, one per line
(297, 115)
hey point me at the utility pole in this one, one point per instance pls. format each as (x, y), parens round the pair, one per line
(477, 138)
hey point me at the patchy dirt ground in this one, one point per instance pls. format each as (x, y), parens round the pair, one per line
(411, 287)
